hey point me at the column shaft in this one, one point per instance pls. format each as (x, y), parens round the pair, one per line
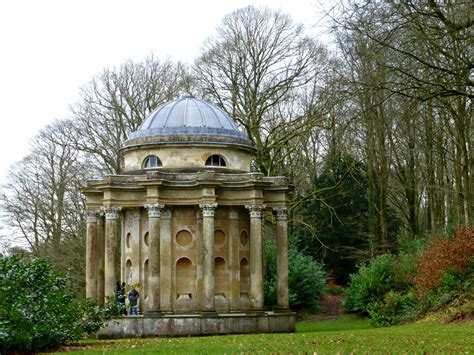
(166, 305)
(100, 260)
(154, 235)
(234, 262)
(91, 255)
(111, 230)
(282, 259)
(208, 210)
(256, 257)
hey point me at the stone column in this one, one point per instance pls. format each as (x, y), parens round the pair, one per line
(100, 259)
(234, 260)
(208, 210)
(112, 214)
(166, 305)
(91, 255)
(199, 261)
(154, 235)
(256, 257)
(282, 258)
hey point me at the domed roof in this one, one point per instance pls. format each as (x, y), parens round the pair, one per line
(188, 119)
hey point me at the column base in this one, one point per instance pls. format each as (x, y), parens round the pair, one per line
(283, 310)
(209, 313)
(155, 313)
(256, 312)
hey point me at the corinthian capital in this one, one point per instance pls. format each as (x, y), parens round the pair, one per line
(255, 210)
(281, 213)
(154, 209)
(112, 212)
(208, 209)
(91, 216)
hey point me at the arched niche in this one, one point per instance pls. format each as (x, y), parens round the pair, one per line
(244, 283)
(244, 276)
(146, 238)
(221, 276)
(128, 240)
(185, 285)
(128, 272)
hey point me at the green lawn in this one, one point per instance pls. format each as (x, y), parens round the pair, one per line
(345, 335)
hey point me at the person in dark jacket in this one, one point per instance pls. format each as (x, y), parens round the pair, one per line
(120, 297)
(133, 300)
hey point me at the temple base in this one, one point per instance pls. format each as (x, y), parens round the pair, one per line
(183, 325)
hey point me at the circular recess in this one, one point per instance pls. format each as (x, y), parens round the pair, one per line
(219, 238)
(184, 238)
(145, 238)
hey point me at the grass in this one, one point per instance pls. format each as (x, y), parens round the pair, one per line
(344, 335)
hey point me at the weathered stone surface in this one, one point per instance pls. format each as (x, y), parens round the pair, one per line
(182, 325)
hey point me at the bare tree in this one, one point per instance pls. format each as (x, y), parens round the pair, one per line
(428, 49)
(256, 68)
(116, 102)
(41, 196)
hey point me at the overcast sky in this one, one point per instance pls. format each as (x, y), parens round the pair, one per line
(50, 48)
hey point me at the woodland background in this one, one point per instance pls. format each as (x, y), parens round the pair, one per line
(375, 131)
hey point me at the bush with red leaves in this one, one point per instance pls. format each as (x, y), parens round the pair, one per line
(455, 253)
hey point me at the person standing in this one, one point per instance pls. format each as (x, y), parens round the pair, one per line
(120, 298)
(133, 300)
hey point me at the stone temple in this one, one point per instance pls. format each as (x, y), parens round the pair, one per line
(185, 222)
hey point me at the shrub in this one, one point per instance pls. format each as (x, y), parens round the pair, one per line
(306, 280)
(38, 309)
(446, 262)
(371, 283)
(394, 308)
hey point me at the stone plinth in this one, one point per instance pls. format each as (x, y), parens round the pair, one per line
(183, 325)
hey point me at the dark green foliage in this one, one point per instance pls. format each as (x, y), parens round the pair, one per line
(370, 284)
(393, 309)
(337, 209)
(38, 309)
(381, 290)
(306, 279)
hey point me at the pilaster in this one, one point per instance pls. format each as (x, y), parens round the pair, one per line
(256, 257)
(91, 255)
(100, 258)
(154, 235)
(208, 211)
(282, 257)
(234, 262)
(166, 306)
(112, 214)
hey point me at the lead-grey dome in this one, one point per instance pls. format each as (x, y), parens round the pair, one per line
(188, 119)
